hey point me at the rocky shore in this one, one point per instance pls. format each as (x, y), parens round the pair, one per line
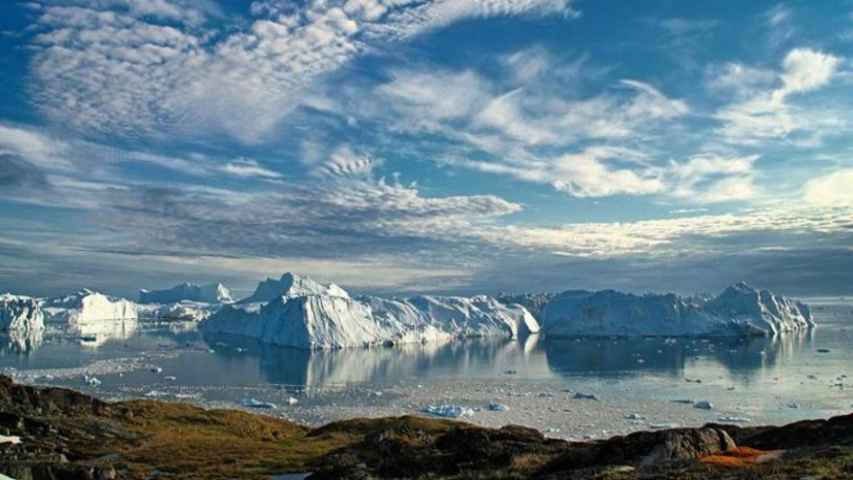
(52, 433)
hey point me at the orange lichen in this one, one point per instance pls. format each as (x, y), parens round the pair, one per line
(740, 457)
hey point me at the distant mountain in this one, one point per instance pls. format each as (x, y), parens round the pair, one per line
(209, 293)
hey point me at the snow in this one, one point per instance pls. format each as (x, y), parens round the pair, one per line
(88, 306)
(740, 310)
(292, 285)
(20, 314)
(209, 293)
(303, 318)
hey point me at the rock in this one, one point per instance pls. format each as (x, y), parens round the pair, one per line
(703, 405)
(689, 444)
(585, 396)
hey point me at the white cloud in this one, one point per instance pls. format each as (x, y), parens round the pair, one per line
(41, 150)
(248, 168)
(832, 190)
(806, 70)
(768, 114)
(120, 66)
(344, 162)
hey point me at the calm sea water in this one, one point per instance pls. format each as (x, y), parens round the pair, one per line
(775, 380)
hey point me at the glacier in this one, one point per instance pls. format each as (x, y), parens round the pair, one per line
(309, 315)
(739, 310)
(86, 306)
(209, 293)
(20, 314)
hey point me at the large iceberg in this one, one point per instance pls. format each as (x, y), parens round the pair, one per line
(292, 285)
(740, 310)
(20, 314)
(86, 306)
(312, 316)
(210, 293)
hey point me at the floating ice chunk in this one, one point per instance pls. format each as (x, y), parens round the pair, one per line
(156, 394)
(634, 416)
(498, 407)
(292, 401)
(511, 372)
(585, 396)
(170, 378)
(552, 430)
(733, 419)
(823, 350)
(91, 381)
(187, 396)
(704, 405)
(449, 411)
(157, 370)
(254, 403)
(10, 439)
(794, 405)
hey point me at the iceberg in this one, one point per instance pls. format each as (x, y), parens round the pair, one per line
(309, 315)
(88, 306)
(20, 314)
(740, 310)
(185, 311)
(292, 285)
(209, 293)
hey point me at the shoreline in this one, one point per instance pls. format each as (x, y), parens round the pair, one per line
(61, 430)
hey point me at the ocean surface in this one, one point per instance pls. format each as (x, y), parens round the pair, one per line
(638, 383)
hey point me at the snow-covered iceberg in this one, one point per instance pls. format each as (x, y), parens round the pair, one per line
(740, 310)
(20, 314)
(291, 285)
(88, 306)
(308, 315)
(210, 293)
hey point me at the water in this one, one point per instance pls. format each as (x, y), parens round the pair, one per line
(638, 381)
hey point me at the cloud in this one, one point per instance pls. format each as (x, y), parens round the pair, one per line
(16, 173)
(806, 70)
(768, 115)
(158, 69)
(344, 162)
(832, 190)
(248, 168)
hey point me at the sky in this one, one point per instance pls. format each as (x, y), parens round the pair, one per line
(444, 146)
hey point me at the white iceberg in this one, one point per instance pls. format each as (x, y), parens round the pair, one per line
(209, 293)
(88, 306)
(292, 285)
(185, 311)
(254, 403)
(740, 310)
(449, 411)
(303, 318)
(20, 314)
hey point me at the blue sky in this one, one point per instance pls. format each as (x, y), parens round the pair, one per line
(427, 145)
